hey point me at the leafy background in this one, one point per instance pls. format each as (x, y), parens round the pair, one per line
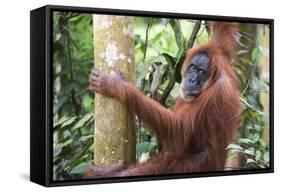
(159, 46)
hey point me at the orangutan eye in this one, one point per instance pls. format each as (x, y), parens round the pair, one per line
(201, 71)
(192, 67)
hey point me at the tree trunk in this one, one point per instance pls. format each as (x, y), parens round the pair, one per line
(114, 138)
(263, 32)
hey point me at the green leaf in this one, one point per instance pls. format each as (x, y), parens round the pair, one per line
(76, 162)
(170, 60)
(180, 53)
(254, 54)
(258, 155)
(262, 142)
(231, 156)
(245, 140)
(263, 50)
(84, 138)
(234, 146)
(79, 168)
(236, 150)
(259, 50)
(250, 161)
(82, 121)
(68, 122)
(251, 107)
(87, 102)
(67, 142)
(266, 156)
(61, 145)
(59, 104)
(249, 152)
(157, 76)
(60, 121)
(56, 151)
(178, 32)
(66, 134)
(142, 148)
(255, 137)
(143, 73)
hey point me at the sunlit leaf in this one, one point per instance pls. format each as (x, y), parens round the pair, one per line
(231, 156)
(262, 142)
(144, 157)
(250, 161)
(255, 53)
(178, 32)
(67, 142)
(60, 121)
(85, 138)
(264, 51)
(251, 107)
(245, 140)
(258, 155)
(234, 146)
(255, 137)
(79, 168)
(83, 121)
(75, 162)
(249, 152)
(69, 122)
(266, 156)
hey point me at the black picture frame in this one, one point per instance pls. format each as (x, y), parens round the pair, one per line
(41, 93)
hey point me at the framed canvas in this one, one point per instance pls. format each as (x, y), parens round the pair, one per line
(125, 95)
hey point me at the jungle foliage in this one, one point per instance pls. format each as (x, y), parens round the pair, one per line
(159, 48)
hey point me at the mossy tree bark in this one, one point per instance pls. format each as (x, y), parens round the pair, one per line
(114, 138)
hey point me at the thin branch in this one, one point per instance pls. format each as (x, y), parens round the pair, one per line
(193, 36)
(177, 71)
(146, 38)
(250, 78)
(246, 37)
(258, 90)
(199, 35)
(251, 107)
(149, 25)
(247, 34)
(145, 49)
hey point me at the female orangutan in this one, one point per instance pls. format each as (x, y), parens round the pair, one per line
(194, 135)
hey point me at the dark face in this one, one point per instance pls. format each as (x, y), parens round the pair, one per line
(195, 76)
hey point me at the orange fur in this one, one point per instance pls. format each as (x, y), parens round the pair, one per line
(194, 135)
